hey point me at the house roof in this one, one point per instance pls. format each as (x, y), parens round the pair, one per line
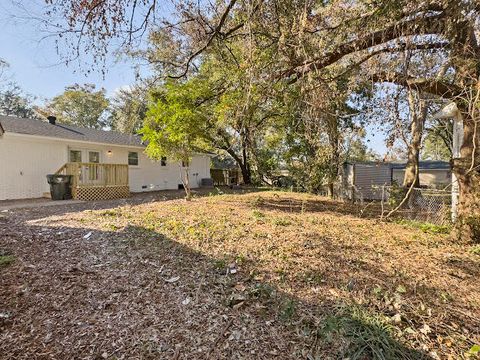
(11, 124)
(423, 165)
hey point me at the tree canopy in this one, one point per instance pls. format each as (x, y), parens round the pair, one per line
(80, 105)
(298, 61)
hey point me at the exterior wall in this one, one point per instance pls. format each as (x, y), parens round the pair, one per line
(430, 178)
(368, 176)
(24, 164)
(26, 160)
(149, 175)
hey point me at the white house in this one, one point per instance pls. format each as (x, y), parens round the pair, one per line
(30, 149)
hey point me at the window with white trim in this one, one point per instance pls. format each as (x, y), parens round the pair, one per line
(133, 158)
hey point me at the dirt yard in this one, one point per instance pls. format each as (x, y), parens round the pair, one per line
(261, 275)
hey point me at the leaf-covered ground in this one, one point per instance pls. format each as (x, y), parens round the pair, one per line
(260, 275)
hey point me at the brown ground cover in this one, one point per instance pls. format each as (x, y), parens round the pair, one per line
(260, 275)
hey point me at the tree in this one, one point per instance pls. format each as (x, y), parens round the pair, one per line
(128, 109)
(80, 105)
(319, 42)
(438, 142)
(13, 102)
(418, 114)
(175, 128)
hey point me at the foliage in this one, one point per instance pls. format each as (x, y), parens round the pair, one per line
(319, 53)
(14, 102)
(434, 148)
(128, 108)
(174, 127)
(426, 227)
(79, 105)
(369, 335)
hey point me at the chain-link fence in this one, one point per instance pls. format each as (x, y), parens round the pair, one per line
(428, 205)
(425, 205)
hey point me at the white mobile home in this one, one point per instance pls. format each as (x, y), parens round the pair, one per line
(103, 161)
(368, 177)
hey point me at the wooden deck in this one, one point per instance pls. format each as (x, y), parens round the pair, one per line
(94, 181)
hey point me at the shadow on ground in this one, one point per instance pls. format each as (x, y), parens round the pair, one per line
(318, 204)
(134, 293)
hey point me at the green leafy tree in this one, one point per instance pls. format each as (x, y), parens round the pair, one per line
(434, 148)
(128, 109)
(14, 102)
(80, 105)
(175, 127)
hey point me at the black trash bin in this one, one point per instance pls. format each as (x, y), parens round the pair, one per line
(60, 186)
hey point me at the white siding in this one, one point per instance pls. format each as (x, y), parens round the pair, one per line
(430, 178)
(25, 161)
(369, 178)
(24, 164)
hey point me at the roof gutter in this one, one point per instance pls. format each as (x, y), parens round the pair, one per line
(72, 140)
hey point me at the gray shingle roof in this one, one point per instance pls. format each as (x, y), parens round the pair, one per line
(12, 124)
(426, 165)
(423, 165)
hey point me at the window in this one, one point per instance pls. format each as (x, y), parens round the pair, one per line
(133, 158)
(163, 161)
(94, 157)
(185, 163)
(75, 156)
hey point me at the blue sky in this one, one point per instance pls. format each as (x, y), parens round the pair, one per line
(36, 66)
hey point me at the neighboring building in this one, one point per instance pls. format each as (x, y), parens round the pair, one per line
(108, 163)
(432, 174)
(368, 177)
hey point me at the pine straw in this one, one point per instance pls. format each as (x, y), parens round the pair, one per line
(310, 280)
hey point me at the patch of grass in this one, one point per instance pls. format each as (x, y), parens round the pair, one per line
(258, 214)
(216, 191)
(6, 260)
(220, 264)
(475, 250)
(426, 227)
(287, 310)
(257, 201)
(314, 277)
(262, 292)
(369, 335)
(109, 212)
(281, 222)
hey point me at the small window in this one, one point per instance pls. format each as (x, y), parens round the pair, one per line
(185, 163)
(133, 158)
(75, 156)
(94, 157)
(163, 161)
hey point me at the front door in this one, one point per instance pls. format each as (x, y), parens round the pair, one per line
(89, 173)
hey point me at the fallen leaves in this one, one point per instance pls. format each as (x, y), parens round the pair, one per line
(166, 280)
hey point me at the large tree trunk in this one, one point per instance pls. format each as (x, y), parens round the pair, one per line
(245, 166)
(418, 114)
(246, 174)
(242, 163)
(467, 170)
(335, 157)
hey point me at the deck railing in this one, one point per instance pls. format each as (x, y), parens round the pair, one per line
(95, 175)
